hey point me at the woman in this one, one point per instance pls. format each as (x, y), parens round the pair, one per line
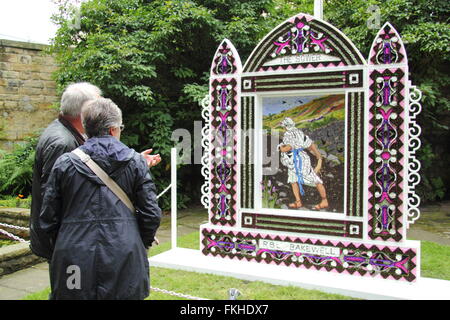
(98, 244)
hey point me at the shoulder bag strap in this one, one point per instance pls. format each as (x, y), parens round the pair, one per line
(110, 183)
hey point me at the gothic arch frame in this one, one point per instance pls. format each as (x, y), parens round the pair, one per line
(305, 54)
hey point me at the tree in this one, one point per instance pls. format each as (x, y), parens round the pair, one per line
(152, 58)
(425, 29)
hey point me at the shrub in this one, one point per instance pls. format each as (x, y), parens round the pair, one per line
(16, 168)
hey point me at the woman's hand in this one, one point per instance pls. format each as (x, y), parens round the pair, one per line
(152, 160)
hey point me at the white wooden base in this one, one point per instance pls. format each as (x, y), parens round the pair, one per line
(357, 287)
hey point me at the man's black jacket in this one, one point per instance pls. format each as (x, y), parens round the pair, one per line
(57, 139)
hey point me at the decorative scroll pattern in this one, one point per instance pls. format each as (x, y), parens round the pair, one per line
(388, 47)
(247, 152)
(303, 42)
(333, 256)
(414, 131)
(335, 228)
(206, 165)
(224, 140)
(301, 39)
(224, 62)
(386, 153)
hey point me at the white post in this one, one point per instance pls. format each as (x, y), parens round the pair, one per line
(173, 197)
(318, 9)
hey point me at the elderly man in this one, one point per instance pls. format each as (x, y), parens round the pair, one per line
(63, 135)
(91, 230)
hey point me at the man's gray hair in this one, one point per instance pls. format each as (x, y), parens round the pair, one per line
(75, 95)
(99, 115)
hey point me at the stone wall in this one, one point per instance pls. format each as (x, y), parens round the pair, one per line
(27, 91)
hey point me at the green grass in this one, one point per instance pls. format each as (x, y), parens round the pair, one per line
(435, 258)
(216, 287)
(41, 295)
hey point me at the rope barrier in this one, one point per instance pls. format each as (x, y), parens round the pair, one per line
(10, 235)
(176, 294)
(13, 227)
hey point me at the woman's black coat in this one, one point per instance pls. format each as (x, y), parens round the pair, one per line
(92, 232)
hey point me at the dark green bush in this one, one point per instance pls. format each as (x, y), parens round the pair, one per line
(16, 169)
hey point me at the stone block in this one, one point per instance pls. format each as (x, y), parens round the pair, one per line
(11, 104)
(9, 90)
(20, 67)
(14, 251)
(29, 46)
(44, 60)
(20, 280)
(5, 66)
(24, 59)
(8, 57)
(14, 83)
(27, 75)
(13, 50)
(26, 105)
(50, 99)
(11, 294)
(16, 257)
(9, 97)
(49, 91)
(44, 76)
(9, 74)
(27, 91)
(34, 84)
(37, 98)
(50, 84)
